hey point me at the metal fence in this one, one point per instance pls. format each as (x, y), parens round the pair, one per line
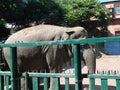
(11, 79)
(104, 76)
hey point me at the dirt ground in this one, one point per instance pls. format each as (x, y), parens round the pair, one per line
(105, 62)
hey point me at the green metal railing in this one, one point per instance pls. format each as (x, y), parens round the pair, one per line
(15, 76)
(104, 76)
(13, 64)
(1, 64)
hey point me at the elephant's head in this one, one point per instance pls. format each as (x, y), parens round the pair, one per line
(88, 56)
(87, 51)
(75, 33)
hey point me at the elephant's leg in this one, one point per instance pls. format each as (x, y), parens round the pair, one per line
(53, 63)
(89, 57)
(29, 83)
(22, 82)
(52, 82)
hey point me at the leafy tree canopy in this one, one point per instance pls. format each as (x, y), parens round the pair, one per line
(24, 13)
(87, 13)
(27, 11)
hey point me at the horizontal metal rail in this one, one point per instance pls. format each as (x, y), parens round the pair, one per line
(59, 42)
(78, 78)
(104, 80)
(56, 75)
(103, 76)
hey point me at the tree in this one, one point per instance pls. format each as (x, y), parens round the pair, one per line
(4, 32)
(87, 13)
(24, 13)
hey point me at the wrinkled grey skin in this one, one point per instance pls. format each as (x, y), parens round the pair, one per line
(52, 57)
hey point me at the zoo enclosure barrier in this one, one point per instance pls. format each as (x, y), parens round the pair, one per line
(14, 75)
(104, 76)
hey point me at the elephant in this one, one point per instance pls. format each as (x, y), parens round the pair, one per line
(51, 57)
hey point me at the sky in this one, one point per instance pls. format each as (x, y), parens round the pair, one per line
(106, 0)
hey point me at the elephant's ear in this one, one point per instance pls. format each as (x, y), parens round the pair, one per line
(67, 35)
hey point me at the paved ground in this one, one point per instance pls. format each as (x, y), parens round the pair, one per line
(105, 62)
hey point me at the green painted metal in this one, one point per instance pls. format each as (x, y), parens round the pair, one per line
(117, 84)
(31, 74)
(7, 82)
(46, 86)
(104, 76)
(55, 84)
(67, 84)
(2, 73)
(35, 83)
(74, 41)
(1, 77)
(104, 80)
(92, 84)
(13, 68)
(104, 84)
(57, 75)
(77, 67)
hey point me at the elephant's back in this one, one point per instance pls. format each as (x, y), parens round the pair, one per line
(41, 33)
(36, 33)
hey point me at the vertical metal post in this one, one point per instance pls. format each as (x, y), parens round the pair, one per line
(46, 86)
(77, 67)
(117, 84)
(104, 84)
(67, 84)
(92, 84)
(1, 77)
(13, 68)
(55, 84)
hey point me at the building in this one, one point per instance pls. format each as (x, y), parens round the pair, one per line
(114, 8)
(113, 48)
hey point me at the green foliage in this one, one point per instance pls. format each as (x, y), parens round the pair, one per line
(27, 11)
(80, 12)
(58, 12)
(4, 32)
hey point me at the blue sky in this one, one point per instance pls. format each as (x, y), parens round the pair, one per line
(106, 0)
